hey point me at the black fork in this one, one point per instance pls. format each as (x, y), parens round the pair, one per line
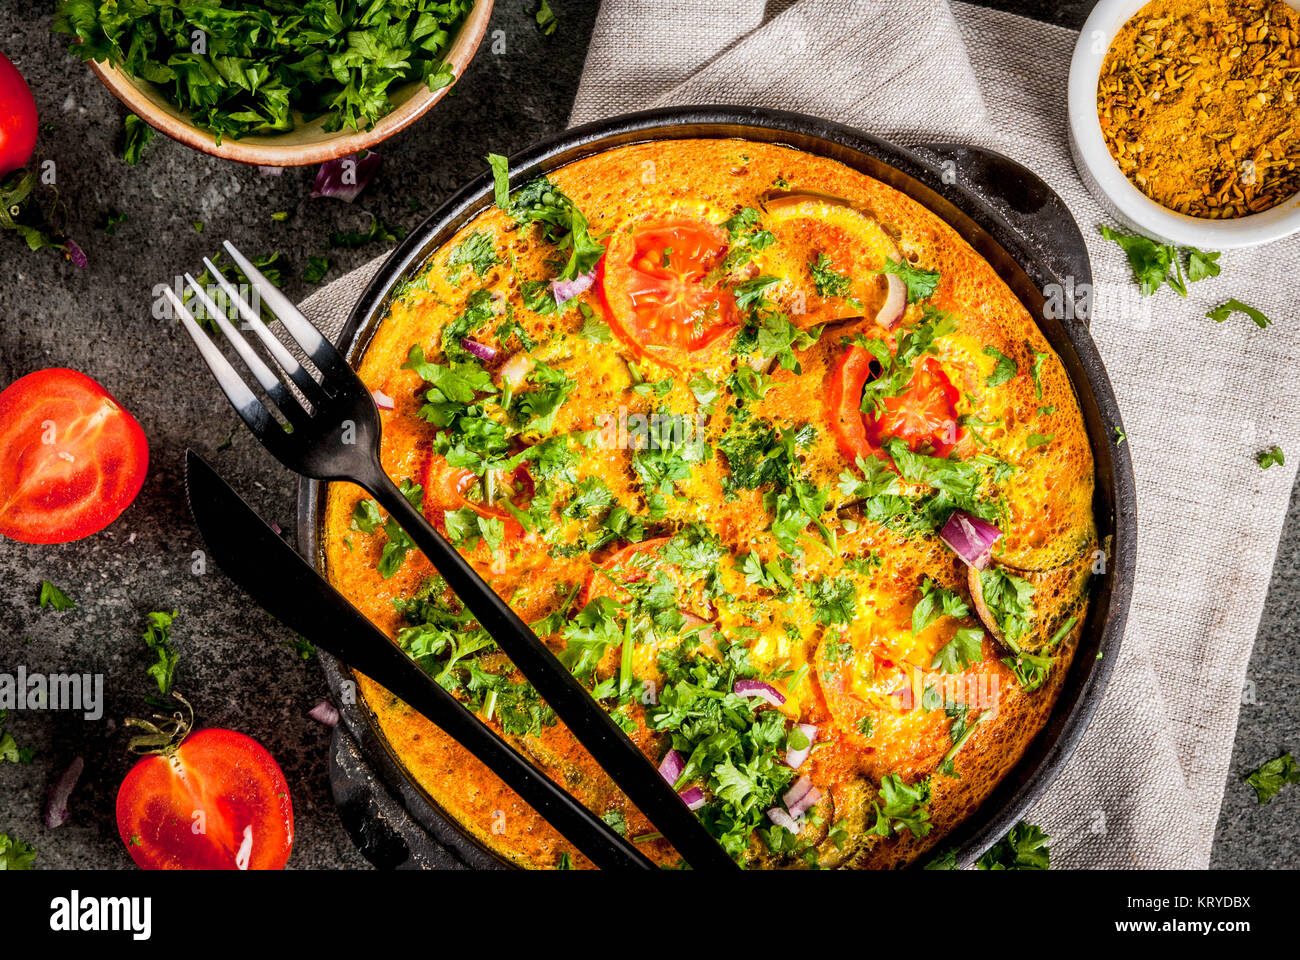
(338, 439)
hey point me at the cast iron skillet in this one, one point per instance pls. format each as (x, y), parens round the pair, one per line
(1011, 218)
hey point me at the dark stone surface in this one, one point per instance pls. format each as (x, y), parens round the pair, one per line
(236, 665)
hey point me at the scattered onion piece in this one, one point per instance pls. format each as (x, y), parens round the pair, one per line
(971, 538)
(325, 713)
(481, 350)
(514, 370)
(895, 305)
(783, 819)
(56, 802)
(330, 177)
(277, 529)
(566, 290)
(382, 400)
(267, 171)
(757, 688)
(75, 254)
(795, 758)
(805, 801)
(693, 798)
(672, 766)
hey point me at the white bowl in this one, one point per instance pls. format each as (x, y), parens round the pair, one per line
(1124, 201)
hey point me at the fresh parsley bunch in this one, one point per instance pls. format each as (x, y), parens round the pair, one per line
(244, 66)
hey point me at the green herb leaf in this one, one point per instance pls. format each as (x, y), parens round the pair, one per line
(1225, 310)
(52, 596)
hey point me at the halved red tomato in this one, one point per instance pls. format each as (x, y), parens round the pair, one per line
(622, 567)
(18, 121)
(71, 458)
(924, 415)
(445, 487)
(218, 801)
(654, 281)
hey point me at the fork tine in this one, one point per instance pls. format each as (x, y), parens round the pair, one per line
(250, 409)
(312, 341)
(302, 377)
(272, 384)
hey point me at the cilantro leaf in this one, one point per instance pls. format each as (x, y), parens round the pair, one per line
(1003, 370)
(158, 638)
(1266, 458)
(1272, 776)
(921, 283)
(1024, 848)
(1227, 309)
(52, 596)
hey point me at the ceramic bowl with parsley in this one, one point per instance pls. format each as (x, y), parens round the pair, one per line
(277, 83)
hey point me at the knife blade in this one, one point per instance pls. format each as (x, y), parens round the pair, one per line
(286, 586)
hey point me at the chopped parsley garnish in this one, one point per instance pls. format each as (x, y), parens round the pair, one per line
(1225, 310)
(1024, 848)
(746, 237)
(834, 600)
(921, 283)
(1010, 600)
(539, 201)
(1003, 370)
(826, 280)
(317, 267)
(733, 749)
(52, 596)
(1272, 776)
(260, 63)
(902, 807)
(937, 601)
(1039, 439)
(379, 232)
(158, 638)
(15, 854)
(1154, 264)
(1273, 456)
(477, 251)
(963, 650)
(10, 752)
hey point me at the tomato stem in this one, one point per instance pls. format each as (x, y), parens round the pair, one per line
(163, 733)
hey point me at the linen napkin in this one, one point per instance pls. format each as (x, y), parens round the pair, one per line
(1199, 399)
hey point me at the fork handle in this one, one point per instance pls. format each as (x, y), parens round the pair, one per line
(595, 729)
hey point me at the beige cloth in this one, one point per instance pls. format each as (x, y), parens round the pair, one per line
(1199, 399)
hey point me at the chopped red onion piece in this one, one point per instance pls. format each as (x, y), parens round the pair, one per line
(269, 171)
(694, 798)
(895, 305)
(480, 350)
(806, 802)
(566, 290)
(783, 819)
(796, 793)
(796, 758)
(971, 538)
(75, 254)
(514, 370)
(757, 688)
(276, 528)
(344, 177)
(56, 803)
(672, 766)
(382, 400)
(325, 713)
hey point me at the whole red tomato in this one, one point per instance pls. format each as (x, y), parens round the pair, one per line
(71, 457)
(218, 801)
(17, 118)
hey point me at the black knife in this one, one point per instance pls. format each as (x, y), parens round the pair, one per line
(253, 556)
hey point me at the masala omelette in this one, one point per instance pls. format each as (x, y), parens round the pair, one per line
(772, 459)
